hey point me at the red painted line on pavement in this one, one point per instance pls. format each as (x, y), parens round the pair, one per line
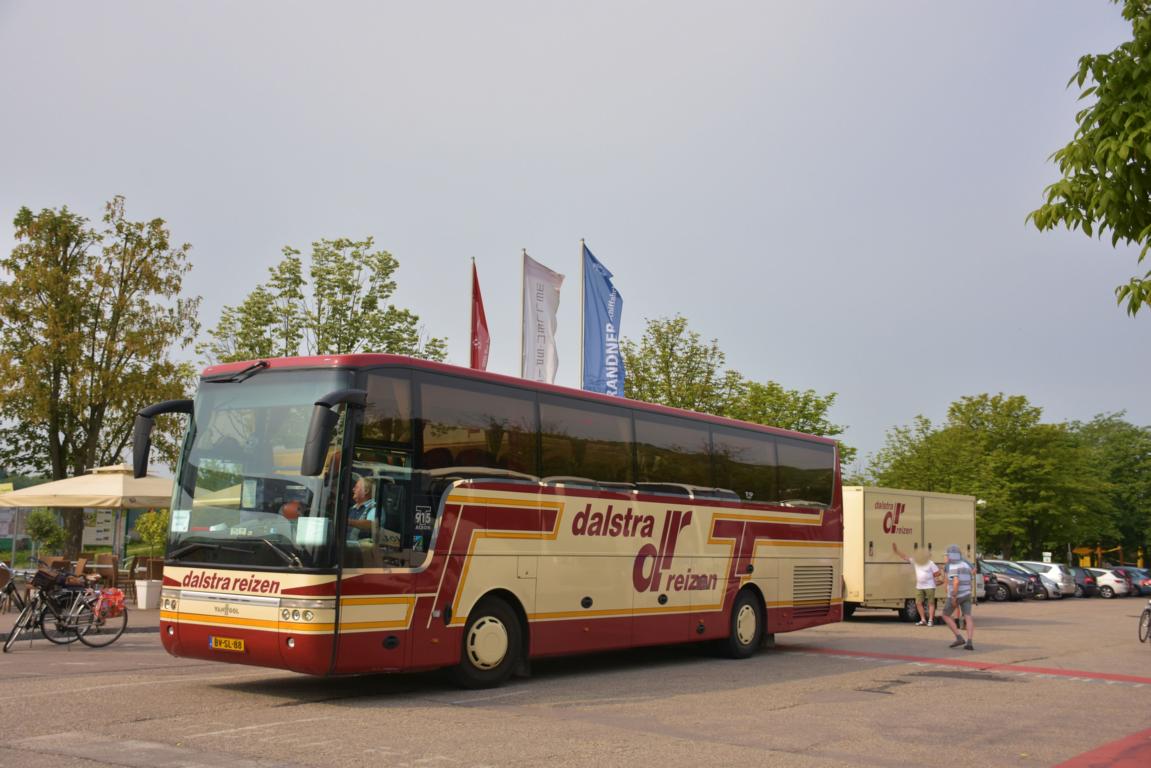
(1133, 751)
(974, 664)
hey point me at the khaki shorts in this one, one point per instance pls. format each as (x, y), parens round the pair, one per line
(964, 605)
(923, 595)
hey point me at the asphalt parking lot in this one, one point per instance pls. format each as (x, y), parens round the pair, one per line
(1065, 682)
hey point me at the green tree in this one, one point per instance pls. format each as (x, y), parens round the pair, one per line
(347, 311)
(88, 318)
(1106, 169)
(43, 527)
(1041, 489)
(672, 365)
(1122, 454)
(153, 529)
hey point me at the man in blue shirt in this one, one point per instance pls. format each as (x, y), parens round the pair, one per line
(363, 511)
(959, 595)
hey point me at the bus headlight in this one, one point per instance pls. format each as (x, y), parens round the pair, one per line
(303, 609)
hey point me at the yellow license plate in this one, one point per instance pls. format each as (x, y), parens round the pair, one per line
(226, 643)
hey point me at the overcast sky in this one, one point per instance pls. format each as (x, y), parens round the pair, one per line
(834, 191)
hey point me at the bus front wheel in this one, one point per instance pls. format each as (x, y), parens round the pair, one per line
(492, 645)
(747, 626)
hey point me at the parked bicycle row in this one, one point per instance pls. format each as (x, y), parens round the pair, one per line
(64, 607)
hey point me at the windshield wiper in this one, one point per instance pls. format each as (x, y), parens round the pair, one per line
(243, 375)
(290, 558)
(175, 554)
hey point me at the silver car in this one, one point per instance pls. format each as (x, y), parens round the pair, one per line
(1057, 572)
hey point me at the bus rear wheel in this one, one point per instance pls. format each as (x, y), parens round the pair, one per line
(492, 644)
(747, 627)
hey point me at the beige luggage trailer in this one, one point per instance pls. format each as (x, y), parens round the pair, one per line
(916, 521)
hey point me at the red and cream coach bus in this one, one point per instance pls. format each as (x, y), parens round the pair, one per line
(513, 520)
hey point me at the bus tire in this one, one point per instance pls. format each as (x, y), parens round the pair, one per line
(491, 646)
(747, 626)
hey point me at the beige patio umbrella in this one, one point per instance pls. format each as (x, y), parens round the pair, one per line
(111, 487)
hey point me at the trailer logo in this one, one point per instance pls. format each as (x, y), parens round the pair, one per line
(891, 519)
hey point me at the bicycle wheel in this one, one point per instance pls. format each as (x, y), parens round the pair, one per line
(1145, 625)
(23, 621)
(96, 629)
(55, 623)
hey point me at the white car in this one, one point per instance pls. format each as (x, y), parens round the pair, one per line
(1057, 572)
(1110, 584)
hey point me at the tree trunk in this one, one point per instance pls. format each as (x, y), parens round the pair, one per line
(73, 531)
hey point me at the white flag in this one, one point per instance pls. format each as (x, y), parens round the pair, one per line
(541, 301)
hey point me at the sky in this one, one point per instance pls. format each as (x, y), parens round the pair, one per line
(834, 191)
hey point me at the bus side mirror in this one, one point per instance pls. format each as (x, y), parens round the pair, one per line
(142, 431)
(323, 424)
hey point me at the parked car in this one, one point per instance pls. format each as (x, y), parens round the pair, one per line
(1138, 579)
(1048, 588)
(1050, 591)
(1085, 584)
(1011, 581)
(1057, 572)
(1110, 583)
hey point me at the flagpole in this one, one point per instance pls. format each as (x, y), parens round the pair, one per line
(523, 320)
(471, 311)
(582, 279)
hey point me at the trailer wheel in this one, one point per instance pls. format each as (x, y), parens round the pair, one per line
(491, 647)
(909, 612)
(849, 610)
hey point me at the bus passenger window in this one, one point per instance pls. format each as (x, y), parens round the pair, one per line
(745, 462)
(806, 472)
(586, 440)
(672, 450)
(476, 424)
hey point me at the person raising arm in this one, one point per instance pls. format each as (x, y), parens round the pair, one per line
(925, 571)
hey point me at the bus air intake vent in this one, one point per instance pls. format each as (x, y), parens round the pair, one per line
(812, 590)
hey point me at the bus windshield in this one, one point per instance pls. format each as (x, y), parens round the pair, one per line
(240, 499)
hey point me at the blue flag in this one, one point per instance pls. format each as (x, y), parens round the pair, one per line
(603, 307)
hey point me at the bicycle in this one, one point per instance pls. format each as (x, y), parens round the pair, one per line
(66, 610)
(1145, 623)
(10, 596)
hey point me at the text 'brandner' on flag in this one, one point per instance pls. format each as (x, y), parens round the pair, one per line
(603, 369)
(541, 302)
(481, 341)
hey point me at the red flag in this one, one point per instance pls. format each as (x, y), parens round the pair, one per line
(481, 342)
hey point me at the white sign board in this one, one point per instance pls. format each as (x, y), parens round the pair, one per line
(99, 533)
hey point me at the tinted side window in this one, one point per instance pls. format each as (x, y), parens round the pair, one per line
(671, 450)
(806, 471)
(585, 440)
(473, 424)
(745, 462)
(388, 412)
